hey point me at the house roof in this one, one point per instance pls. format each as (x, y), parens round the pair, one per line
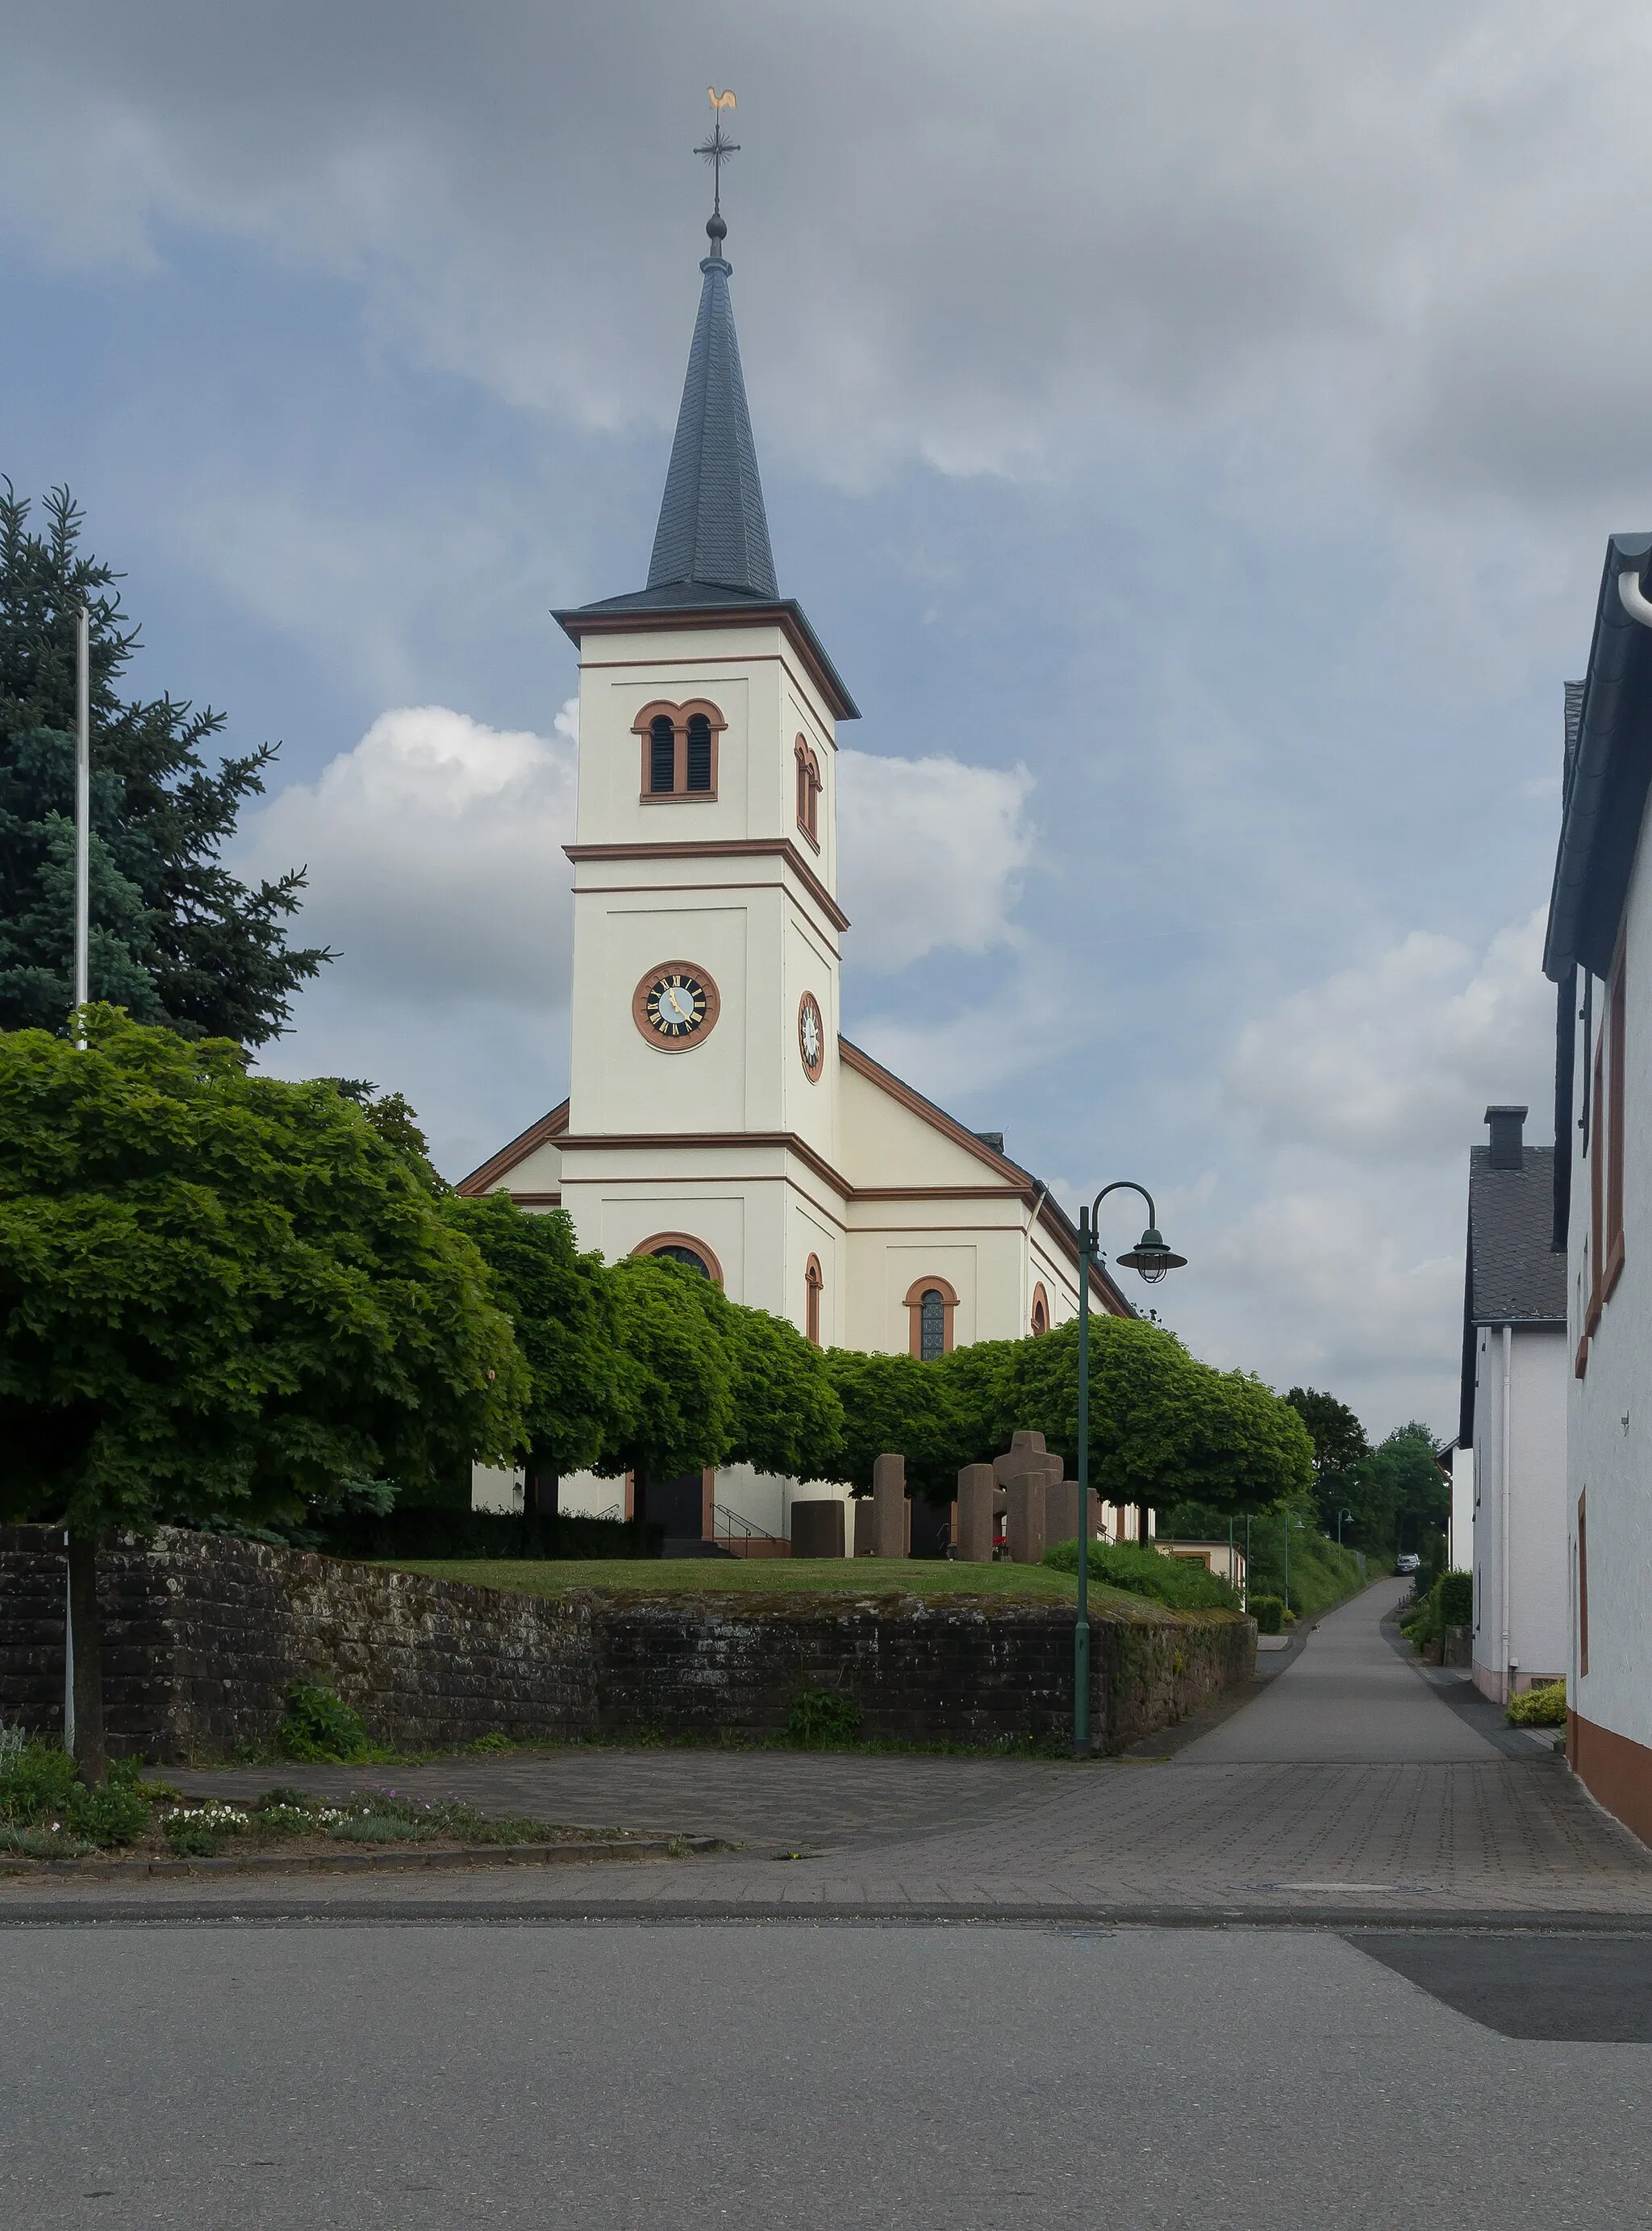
(1608, 773)
(1513, 1274)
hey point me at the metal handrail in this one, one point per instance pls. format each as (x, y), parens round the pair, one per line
(732, 1526)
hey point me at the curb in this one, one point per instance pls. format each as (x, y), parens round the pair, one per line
(632, 1913)
(276, 1863)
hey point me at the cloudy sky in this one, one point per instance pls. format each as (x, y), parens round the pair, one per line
(1193, 430)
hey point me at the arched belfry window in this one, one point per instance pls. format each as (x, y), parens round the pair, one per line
(808, 792)
(813, 1286)
(932, 1305)
(680, 750)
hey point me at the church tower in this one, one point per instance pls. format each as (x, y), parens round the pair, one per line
(704, 1112)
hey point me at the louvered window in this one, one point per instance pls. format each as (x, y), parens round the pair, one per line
(699, 752)
(662, 755)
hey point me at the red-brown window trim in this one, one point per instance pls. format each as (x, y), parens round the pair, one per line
(659, 1240)
(1041, 1310)
(915, 1294)
(814, 1284)
(679, 717)
(809, 791)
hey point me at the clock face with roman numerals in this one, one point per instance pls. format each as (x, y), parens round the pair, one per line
(675, 1005)
(810, 1036)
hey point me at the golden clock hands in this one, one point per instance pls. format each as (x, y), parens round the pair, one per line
(687, 1013)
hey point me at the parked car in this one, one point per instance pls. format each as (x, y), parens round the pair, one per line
(1408, 1562)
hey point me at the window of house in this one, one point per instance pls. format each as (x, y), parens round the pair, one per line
(808, 792)
(1583, 1585)
(813, 1282)
(680, 750)
(1616, 1049)
(931, 1304)
(1041, 1310)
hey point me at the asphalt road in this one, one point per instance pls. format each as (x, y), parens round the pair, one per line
(1410, 1981)
(789, 2075)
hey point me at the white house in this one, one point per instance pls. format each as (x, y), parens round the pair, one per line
(715, 1111)
(1599, 955)
(1513, 1417)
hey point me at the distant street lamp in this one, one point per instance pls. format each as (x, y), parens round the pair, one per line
(1341, 1515)
(1150, 1258)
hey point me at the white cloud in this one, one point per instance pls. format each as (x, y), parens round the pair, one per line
(930, 855)
(434, 849)
(1399, 1056)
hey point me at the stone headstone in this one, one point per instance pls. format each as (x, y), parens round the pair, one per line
(817, 1527)
(892, 1514)
(977, 1496)
(1061, 1512)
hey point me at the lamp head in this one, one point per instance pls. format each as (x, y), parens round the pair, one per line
(1151, 1257)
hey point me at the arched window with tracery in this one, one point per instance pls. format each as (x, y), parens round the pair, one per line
(932, 1305)
(813, 1286)
(808, 792)
(1040, 1308)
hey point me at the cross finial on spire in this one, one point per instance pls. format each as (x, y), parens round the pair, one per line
(716, 151)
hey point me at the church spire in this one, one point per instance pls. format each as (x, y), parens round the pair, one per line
(713, 530)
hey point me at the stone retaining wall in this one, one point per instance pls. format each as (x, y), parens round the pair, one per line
(203, 1636)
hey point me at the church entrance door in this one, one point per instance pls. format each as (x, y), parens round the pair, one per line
(677, 1504)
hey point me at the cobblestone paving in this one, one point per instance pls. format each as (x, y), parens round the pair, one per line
(1191, 1836)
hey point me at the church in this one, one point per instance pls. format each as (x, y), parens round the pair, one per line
(715, 1112)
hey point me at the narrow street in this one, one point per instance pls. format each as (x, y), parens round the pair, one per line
(1353, 1954)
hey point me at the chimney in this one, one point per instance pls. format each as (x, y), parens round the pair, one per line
(1508, 1145)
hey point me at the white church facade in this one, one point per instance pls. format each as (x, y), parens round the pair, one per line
(715, 1109)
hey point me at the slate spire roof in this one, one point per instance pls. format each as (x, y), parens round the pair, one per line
(713, 530)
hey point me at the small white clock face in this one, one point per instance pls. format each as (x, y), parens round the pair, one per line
(811, 1036)
(675, 1005)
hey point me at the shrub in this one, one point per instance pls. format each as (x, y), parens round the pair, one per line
(321, 1727)
(36, 1781)
(1268, 1612)
(1541, 1707)
(820, 1717)
(1187, 1583)
(51, 1842)
(115, 1813)
(1454, 1596)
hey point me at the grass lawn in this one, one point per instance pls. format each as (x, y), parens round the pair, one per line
(772, 1576)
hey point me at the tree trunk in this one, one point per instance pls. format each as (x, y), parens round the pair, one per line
(90, 1755)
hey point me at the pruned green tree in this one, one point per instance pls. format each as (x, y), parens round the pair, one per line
(222, 1296)
(788, 1417)
(566, 1312)
(175, 937)
(896, 1403)
(674, 1409)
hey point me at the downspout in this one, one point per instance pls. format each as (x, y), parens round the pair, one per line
(1031, 1226)
(1503, 1544)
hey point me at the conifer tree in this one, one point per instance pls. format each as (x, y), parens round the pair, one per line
(175, 938)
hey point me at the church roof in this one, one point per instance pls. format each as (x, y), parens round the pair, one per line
(711, 552)
(713, 529)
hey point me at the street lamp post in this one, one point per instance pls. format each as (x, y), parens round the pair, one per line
(1341, 1515)
(1152, 1258)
